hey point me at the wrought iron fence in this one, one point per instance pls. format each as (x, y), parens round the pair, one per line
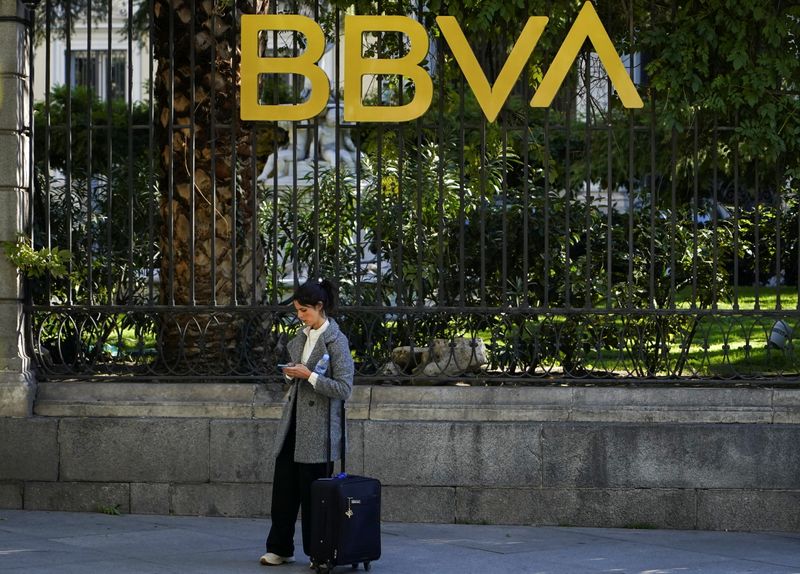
(580, 243)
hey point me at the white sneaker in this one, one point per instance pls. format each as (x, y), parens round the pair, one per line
(272, 559)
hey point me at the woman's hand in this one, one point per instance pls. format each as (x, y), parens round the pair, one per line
(297, 371)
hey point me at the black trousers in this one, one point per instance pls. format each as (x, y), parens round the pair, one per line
(291, 491)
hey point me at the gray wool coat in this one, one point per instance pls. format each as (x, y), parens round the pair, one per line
(312, 403)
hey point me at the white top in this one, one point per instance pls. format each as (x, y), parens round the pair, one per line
(311, 340)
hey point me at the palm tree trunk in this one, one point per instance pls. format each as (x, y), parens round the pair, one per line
(209, 235)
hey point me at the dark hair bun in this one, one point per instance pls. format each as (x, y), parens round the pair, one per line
(316, 291)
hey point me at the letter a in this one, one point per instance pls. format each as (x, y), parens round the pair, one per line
(252, 65)
(491, 99)
(587, 25)
(357, 66)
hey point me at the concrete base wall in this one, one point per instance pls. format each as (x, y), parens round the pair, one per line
(486, 465)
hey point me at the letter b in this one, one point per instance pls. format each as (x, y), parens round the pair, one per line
(357, 66)
(252, 65)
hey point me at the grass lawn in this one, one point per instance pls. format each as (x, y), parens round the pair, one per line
(746, 298)
(733, 345)
(737, 345)
(730, 344)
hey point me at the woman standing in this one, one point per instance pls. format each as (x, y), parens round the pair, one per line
(301, 445)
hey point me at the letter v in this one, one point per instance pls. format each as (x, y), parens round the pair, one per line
(491, 99)
(586, 25)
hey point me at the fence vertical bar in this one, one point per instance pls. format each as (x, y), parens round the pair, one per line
(90, 95)
(736, 217)
(337, 163)
(151, 159)
(48, 242)
(443, 296)
(653, 202)
(272, 184)
(212, 133)
(568, 197)
(399, 273)
(777, 205)
(132, 271)
(379, 216)
(546, 212)
(255, 230)
(695, 205)
(379, 163)
(589, 205)
(673, 224)
(525, 139)
(504, 214)
(631, 203)
(361, 250)
(609, 129)
(192, 160)
(359, 239)
(757, 232)
(419, 210)
(714, 211)
(483, 203)
(171, 166)
(109, 158)
(462, 216)
(68, 171)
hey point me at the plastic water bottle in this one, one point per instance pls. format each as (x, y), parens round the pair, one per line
(322, 364)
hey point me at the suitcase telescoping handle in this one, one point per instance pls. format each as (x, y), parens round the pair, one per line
(342, 443)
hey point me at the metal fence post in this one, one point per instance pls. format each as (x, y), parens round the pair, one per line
(17, 383)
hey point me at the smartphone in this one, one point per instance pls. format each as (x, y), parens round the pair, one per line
(284, 365)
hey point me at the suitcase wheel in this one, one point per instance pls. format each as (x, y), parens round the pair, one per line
(367, 566)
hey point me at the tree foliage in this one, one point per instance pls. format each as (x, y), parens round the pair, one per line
(729, 63)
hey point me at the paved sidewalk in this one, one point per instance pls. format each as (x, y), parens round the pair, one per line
(84, 543)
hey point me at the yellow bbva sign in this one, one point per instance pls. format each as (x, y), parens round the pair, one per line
(490, 97)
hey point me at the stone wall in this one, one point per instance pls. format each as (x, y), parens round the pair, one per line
(661, 457)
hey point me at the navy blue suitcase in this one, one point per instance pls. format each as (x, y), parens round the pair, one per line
(345, 522)
(345, 516)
